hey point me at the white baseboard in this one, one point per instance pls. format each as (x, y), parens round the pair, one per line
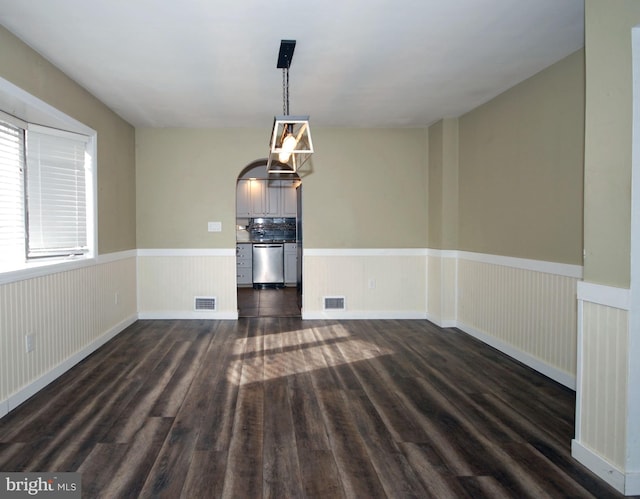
(187, 315)
(558, 375)
(605, 470)
(35, 386)
(442, 323)
(361, 315)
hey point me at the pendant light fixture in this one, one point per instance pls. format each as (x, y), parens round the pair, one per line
(290, 144)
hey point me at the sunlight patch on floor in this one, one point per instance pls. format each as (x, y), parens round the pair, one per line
(272, 356)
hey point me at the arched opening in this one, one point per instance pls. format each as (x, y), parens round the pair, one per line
(268, 242)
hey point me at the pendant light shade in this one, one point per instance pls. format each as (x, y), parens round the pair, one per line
(290, 145)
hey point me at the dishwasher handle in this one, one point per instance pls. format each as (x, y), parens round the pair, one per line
(267, 245)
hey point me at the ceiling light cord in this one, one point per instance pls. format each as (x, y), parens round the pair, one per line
(285, 91)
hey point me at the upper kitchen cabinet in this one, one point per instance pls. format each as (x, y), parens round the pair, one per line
(243, 198)
(265, 201)
(266, 198)
(288, 198)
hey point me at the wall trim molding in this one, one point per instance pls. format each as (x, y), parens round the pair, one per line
(626, 483)
(362, 315)
(39, 383)
(442, 323)
(187, 315)
(187, 252)
(562, 269)
(116, 256)
(364, 251)
(562, 377)
(602, 294)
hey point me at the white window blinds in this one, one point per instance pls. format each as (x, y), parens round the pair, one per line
(12, 236)
(56, 193)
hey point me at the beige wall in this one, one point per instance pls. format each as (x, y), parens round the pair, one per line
(434, 200)
(368, 189)
(361, 189)
(521, 168)
(443, 184)
(26, 69)
(607, 182)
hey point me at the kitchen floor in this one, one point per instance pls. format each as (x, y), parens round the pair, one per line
(269, 302)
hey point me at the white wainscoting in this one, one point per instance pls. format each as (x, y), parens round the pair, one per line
(524, 308)
(601, 418)
(442, 287)
(376, 283)
(170, 279)
(70, 314)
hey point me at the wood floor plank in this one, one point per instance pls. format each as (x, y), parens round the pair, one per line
(357, 474)
(243, 477)
(206, 475)
(132, 470)
(244, 473)
(320, 477)
(218, 383)
(281, 475)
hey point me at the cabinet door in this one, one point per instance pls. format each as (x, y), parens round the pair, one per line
(244, 274)
(288, 198)
(272, 198)
(290, 268)
(258, 198)
(243, 198)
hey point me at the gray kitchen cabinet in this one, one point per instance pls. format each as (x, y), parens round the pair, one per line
(265, 201)
(266, 198)
(288, 198)
(244, 264)
(243, 198)
(290, 263)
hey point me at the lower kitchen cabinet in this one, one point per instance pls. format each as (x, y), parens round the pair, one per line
(244, 267)
(290, 263)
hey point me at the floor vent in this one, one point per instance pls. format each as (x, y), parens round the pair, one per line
(206, 303)
(334, 303)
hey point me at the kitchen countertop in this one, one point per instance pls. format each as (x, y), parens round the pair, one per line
(267, 241)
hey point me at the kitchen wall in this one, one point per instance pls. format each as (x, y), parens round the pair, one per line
(73, 312)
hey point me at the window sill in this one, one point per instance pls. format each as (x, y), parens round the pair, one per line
(32, 270)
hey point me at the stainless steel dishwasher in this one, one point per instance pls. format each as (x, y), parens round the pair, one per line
(268, 264)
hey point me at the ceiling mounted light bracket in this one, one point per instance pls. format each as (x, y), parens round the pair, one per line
(290, 145)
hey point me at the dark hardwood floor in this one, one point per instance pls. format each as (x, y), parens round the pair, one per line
(280, 407)
(269, 302)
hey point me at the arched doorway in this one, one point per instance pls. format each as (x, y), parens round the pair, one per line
(268, 242)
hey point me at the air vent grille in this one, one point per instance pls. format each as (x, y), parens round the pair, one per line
(206, 303)
(334, 303)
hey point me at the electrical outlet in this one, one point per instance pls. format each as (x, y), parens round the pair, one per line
(115, 298)
(30, 342)
(372, 283)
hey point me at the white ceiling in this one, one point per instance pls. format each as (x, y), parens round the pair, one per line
(360, 63)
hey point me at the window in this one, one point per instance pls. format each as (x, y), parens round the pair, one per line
(45, 193)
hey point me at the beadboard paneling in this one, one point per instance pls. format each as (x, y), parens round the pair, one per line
(604, 381)
(375, 283)
(167, 285)
(531, 313)
(442, 270)
(66, 312)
